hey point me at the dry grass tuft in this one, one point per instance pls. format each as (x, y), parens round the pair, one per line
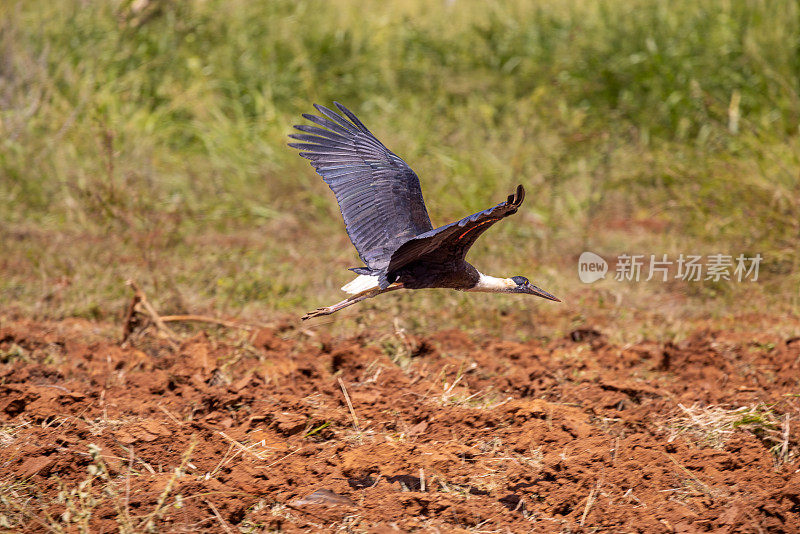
(714, 426)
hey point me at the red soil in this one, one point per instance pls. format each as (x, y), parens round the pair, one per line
(569, 435)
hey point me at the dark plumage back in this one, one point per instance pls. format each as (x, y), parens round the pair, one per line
(378, 194)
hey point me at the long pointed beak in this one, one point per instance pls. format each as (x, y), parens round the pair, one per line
(533, 290)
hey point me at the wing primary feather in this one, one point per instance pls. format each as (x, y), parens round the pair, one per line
(336, 146)
(327, 123)
(332, 115)
(323, 149)
(350, 115)
(322, 132)
(320, 140)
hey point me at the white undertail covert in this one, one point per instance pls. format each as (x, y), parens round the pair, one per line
(364, 282)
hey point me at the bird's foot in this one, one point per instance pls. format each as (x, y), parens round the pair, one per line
(318, 313)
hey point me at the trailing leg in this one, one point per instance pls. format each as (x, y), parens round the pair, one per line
(350, 301)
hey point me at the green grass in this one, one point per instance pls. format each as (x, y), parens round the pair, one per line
(146, 139)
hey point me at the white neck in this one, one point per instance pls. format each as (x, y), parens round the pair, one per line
(490, 284)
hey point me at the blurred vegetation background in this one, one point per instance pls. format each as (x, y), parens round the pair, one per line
(146, 139)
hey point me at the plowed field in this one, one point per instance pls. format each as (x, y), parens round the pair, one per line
(277, 429)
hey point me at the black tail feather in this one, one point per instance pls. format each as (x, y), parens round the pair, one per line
(383, 281)
(362, 270)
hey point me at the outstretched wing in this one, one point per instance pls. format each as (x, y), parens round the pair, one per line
(453, 241)
(378, 194)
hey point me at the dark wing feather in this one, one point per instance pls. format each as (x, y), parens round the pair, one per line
(378, 194)
(453, 241)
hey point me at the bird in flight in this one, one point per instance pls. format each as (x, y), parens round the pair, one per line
(385, 216)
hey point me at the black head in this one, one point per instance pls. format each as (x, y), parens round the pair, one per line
(524, 286)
